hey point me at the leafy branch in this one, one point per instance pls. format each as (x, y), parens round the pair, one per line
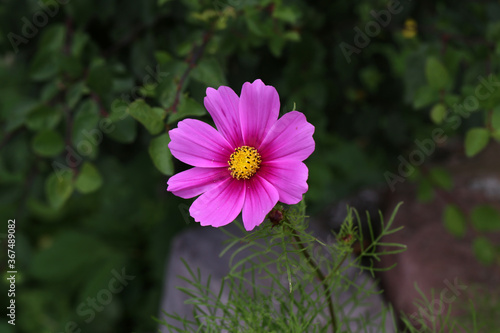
(196, 54)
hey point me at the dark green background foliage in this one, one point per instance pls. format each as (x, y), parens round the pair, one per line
(89, 89)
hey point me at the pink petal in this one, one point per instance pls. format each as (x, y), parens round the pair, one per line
(261, 197)
(221, 205)
(196, 181)
(259, 109)
(290, 138)
(289, 178)
(222, 104)
(199, 144)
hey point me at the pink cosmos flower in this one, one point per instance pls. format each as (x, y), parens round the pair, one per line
(252, 161)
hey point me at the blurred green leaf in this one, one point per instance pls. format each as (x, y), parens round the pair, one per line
(425, 191)
(493, 31)
(253, 26)
(424, 96)
(71, 256)
(59, 187)
(187, 107)
(151, 118)
(124, 131)
(160, 154)
(18, 114)
(276, 44)
(209, 72)
(285, 13)
(71, 66)
(292, 35)
(75, 93)
(163, 57)
(167, 92)
(441, 178)
(438, 113)
(455, 221)
(371, 78)
(89, 179)
(484, 250)
(436, 74)
(16, 158)
(48, 143)
(148, 90)
(80, 40)
(486, 218)
(168, 76)
(124, 128)
(44, 65)
(99, 78)
(52, 38)
(43, 117)
(50, 90)
(101, 277)
(162, 2)
(86, 137)
(476, 140)
(35, 317)
(496, 135)
(451, 99)
(40, 210)
(495, 118)
(119, 109)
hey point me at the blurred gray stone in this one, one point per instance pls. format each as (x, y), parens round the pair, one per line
(366, 200)
(489, 186)
(435, 259)
(200, 248)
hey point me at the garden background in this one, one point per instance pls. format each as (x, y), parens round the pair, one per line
(89, 90)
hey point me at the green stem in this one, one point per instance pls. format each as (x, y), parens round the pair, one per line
(321, 277)
(340, 262)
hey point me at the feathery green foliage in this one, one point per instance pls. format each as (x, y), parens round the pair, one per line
(276, 289)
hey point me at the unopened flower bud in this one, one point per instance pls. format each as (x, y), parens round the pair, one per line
(275, 216)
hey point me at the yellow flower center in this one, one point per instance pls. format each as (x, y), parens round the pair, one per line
(244, 162)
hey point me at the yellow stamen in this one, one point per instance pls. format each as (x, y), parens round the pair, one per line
(244, 162)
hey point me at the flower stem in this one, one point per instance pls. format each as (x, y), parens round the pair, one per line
(340, 263)
(321, 277)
